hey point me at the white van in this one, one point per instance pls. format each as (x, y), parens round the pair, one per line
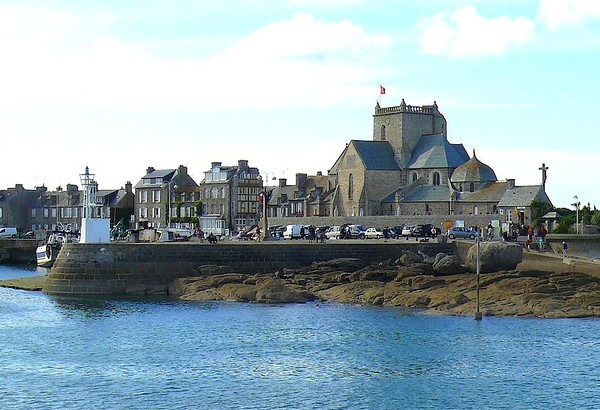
(294, 231)
(8, 232)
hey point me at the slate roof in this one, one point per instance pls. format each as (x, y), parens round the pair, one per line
(376, 155)
(421, 193)
(473, 171)
(161, 174)
(523, 195)
(488, 193)
(434, 151)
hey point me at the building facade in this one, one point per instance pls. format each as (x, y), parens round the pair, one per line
(231, 194)
(164, 195)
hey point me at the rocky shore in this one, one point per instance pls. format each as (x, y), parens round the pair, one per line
(439, 284)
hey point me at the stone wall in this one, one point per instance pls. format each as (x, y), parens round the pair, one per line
(18, 250)
(121, 268)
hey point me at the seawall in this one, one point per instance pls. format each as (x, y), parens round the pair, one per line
(18, 250)
(121, 268)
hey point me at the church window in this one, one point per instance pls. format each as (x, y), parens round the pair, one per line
(475, 210)
(436, 178)
(350, 186)
(383, 132)
(471, 187)
(414, 177)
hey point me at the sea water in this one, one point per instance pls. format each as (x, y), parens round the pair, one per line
(159, 353)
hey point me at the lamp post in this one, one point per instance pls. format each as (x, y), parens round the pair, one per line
(175, 187)
(576, 205)
(478, 315)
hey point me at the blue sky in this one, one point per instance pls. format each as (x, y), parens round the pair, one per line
(120, 86)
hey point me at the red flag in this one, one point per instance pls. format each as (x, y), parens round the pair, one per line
(381, 89)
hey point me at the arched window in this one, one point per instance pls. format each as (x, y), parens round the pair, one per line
(383, 132)
(212, 208)
(222, 192)
(471, 187)
(350, 186)
(475, 210)
(413, 177)
(436, 178)
(214, 192)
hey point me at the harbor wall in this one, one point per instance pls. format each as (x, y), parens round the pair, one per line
(17, 250)
(144, 268)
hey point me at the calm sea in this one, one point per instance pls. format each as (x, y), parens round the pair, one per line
(156, 353)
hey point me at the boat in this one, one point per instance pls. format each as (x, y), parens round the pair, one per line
(47, 250)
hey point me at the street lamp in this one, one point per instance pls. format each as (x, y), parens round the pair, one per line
(576, 205)
(175, 187)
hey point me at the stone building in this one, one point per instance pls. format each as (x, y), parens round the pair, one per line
(310, 196)
(165, 194)
(410, 168)
(230, 194)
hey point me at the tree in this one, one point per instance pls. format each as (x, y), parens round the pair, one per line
(538, 210)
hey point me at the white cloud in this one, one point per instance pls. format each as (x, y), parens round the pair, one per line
(297, 61)
(557, 13)
(465, 33)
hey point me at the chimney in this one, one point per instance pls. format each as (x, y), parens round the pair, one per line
(319, 173)
(243, 164)
(149, 170)
(282, 182)
(214, 165)
(300, 179)
(510, 183)
(128, 187)
(182, 171)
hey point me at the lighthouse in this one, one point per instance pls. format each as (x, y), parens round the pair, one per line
(94, 228)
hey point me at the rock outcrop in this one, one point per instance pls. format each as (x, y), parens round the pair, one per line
(437, 284)
(494, 256)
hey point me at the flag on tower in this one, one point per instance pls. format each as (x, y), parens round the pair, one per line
(381, 89)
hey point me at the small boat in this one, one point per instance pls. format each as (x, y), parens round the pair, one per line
(47, 251)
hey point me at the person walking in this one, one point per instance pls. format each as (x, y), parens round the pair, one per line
(565, 248)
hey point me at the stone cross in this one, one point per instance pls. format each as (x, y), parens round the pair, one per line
(543, 168)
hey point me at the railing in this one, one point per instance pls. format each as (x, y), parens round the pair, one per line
(405, 108)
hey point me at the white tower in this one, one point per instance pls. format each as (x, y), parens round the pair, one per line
(94, 228)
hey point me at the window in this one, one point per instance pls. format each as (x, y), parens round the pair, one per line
(156, 212)
(383, 132)
(33, 212)
(214, 192)
(143, 197)
(351, 187)
(222, 208)
(156, 196)
(46, 212)
(413, 177)
(436, 178)
(143, 213)
(223, 192)
(471, 187)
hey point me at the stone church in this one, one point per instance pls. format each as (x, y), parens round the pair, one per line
(410, 168)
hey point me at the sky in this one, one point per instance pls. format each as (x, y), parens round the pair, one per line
(120, 86)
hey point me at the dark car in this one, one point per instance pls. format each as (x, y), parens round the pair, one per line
(424, 231)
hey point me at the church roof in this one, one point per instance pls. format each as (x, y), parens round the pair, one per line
(434, 151)
(473, 171)
(376, 155)
(491, 192)
(523, 196)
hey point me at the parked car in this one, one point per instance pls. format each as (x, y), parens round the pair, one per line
(461, 233)
(357, 231)
(333, 232)
(424, 231)
(407, 230)
(373, 233)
